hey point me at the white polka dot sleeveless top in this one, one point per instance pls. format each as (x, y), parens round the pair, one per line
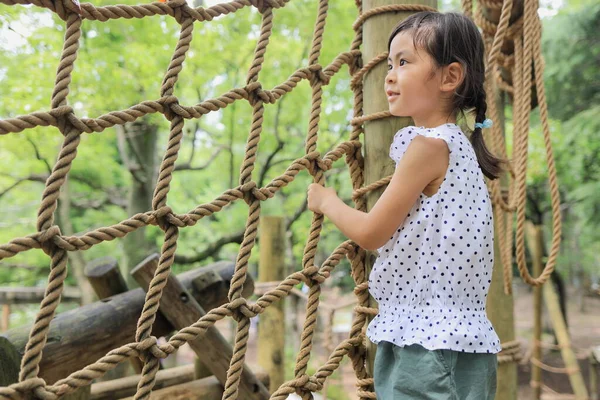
(432, 277)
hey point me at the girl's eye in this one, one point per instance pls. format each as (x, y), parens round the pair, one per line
(389, 67)
(402, 62)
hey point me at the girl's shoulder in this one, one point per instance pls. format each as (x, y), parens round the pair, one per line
(450, 133)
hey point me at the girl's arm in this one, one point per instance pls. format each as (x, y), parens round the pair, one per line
(425, 160)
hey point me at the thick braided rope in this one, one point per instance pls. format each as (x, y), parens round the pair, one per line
(526, 36)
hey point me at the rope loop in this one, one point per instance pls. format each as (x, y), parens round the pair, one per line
(313, 275)
(172, 107)
(257, 94)
(180, 10)
(32, 388)
(252, 193)
(149, 348)
(180, 220)
(323, 164)
(306, 385)
(165, 218)
(317, 75)
(47, 239)
(240, 309)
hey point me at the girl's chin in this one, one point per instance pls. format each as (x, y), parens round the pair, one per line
(397, 113)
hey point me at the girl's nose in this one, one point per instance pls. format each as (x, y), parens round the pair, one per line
(390, 78)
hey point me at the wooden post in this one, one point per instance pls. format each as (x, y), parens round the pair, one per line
(500, 313)
(105, 277)
(594, 360)
(5, 317)
(379, 133)
(536, 239)
(271, 326)
(500, 306)
(180, 308)
(106, 280)
(533, 233)
(562, 335)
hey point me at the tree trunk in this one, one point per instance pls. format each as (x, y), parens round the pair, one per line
(137, 145)
(76, 260)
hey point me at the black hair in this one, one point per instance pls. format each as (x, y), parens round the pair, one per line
(448, 38)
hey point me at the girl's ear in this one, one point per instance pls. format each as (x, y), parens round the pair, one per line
(452, 77)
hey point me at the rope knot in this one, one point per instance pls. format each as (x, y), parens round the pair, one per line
(150, 346)
(31, 388)
(164, 217)
(180, 9)
(252, 193)
(313, 275)
(324, 164)
(171, 105)
(305, 384)
(256, 93)
(318, 75)
(241, 309)
(180, 221)
(47, 238)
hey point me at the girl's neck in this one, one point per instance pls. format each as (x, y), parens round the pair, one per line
(433, 121)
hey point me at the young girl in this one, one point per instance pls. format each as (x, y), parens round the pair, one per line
(433, 225)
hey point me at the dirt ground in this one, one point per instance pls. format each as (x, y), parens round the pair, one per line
(584, 328)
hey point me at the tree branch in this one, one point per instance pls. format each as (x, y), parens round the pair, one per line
(97, 204)
(31, 178)
(38, 155)
(267, 166)
(289, 222)
(133, 169)
(211, 249)
(188, 167)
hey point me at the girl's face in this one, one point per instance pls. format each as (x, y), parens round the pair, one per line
(412, 84)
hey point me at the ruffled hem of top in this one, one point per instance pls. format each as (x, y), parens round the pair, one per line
(430, 334)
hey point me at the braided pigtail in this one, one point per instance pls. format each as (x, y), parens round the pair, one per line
(490, 165)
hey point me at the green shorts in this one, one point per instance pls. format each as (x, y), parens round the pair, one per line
(413, 372)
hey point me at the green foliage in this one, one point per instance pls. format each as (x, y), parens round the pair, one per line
(571, 46)
(121, 63)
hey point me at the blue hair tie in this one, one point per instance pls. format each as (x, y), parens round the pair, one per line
(487, 123)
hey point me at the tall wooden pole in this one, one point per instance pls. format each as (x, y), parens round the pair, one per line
(271, 326)
(500, 306)
(536, 250)
(379, 133)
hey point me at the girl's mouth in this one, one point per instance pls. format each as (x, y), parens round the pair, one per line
(391, 96)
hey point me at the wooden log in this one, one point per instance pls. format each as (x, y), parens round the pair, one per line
(105, 277)
(123, 387)
(271, 326)
(106, 280)
(379, 133)
(202, 389)
(33, 295)
(533, 232)
(80, 337)
(10, 360)
(180, 308)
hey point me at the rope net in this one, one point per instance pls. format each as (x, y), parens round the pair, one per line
(525, 33)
